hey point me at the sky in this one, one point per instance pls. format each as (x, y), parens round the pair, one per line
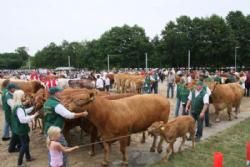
(36, 23)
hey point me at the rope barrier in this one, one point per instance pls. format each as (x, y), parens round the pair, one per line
(104, 141)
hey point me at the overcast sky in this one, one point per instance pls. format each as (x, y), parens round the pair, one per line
(36, 23)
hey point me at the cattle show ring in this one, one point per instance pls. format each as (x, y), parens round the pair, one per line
(128, 126)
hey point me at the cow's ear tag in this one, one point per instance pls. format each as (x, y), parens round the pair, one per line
(162, 128)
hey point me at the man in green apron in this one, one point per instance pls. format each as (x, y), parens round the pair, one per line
(199, 101)
(6, 126)
(147, 84)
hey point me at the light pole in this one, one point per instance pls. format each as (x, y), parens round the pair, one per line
(146, 61)
(189, 60)
(69, 61)
(29, 62)
(108, 62)
(235, 57)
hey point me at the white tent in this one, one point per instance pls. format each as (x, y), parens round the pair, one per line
(64, 68)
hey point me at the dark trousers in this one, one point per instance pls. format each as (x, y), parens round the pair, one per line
(107, 88)
(248, 92)
(154, 87)
(101, 89)
(170, 87)
(199, 125)
(207, 117)
(184, 109)
(24, 148)
(14, 143)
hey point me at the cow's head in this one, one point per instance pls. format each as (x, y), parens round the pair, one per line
(80, 102)
(39, 101)
(39, 98)
(28, 100)
(156, 128)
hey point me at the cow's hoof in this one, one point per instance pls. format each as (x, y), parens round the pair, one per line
(217, 120)
(164, 160)
(124, 164)
(105, 164)
(152, 149)
(236, 117)
(143, 141)
(159, 150)
(91, 153)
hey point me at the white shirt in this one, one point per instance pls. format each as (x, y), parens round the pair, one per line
(64, 112)
(10, 102)
(205, 98)
(99, 83)
(152, 78)
(24, 119)
(189, 79)
(208, 91)
(107, 81)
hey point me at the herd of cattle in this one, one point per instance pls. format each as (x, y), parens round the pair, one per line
(114, 115)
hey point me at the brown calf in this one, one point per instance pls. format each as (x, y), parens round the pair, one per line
(170, 131)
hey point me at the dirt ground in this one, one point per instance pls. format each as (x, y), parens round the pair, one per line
(139, 155)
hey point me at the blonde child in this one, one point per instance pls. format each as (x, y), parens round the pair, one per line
(56, 150)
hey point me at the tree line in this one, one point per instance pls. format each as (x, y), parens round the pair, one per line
(212, 42)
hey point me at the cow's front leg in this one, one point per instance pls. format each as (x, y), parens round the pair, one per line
(123, 149)
(169, 151)
(182, 143)
(237, 111)
(217, 119)
(93, 138)
(229, 111)
(106, 154)
(143, 140)
(152, 149)
(159, 147)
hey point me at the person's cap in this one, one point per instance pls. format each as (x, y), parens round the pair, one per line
(53, 90)
(200, 83)
(11, 86)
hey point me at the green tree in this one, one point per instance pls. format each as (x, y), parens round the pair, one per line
(10, 61)
(50, 57)
(241, 30)
(127, 44)
(22, 51)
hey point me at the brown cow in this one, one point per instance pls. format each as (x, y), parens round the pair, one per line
(42, 95)
(29, 87)
(82, 83)
(116, 118)
(226, 96)
(66, 96)
(170, 131)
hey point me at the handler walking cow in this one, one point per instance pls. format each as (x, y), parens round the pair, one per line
(55, 113)
(199, 101)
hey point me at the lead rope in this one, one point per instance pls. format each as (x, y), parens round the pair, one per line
(109, 140)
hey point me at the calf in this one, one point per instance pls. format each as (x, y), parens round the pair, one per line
(170, 131)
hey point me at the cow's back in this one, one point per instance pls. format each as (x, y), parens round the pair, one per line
(181, 125)
(140, 111)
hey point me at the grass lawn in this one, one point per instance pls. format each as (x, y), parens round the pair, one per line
(231, 142)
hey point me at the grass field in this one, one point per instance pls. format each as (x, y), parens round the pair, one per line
(231, 142)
